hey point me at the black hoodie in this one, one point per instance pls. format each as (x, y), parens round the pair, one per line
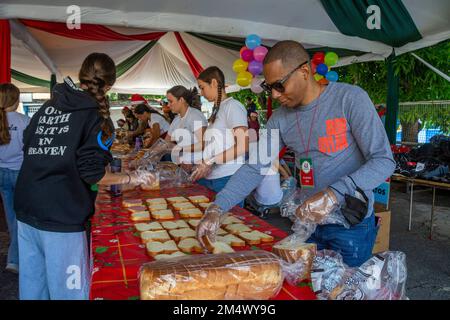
(64, 157)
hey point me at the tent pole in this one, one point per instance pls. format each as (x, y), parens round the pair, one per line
(392, 99)
(52, 82)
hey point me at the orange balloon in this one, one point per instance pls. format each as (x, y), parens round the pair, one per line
(323, 81)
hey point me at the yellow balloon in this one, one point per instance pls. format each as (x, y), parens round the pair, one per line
(318, 77)
(244, 78)
(240, 65)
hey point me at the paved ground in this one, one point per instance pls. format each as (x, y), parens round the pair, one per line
(428, 260)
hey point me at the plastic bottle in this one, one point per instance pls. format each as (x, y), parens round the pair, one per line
(116, 167)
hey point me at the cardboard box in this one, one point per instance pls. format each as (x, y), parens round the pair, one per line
(384, 221)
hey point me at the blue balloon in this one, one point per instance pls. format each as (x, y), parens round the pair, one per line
(322, 69)
(252, 41)
(332, 76)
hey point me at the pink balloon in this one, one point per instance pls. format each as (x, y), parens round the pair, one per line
(259, 53)
(247, 55)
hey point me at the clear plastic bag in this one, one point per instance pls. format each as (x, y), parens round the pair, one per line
(243, 275)
(168, 175)
(382, 277)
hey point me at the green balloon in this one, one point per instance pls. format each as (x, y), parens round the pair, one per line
(331, 58)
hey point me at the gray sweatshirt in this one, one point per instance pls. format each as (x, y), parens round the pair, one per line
(347, 139)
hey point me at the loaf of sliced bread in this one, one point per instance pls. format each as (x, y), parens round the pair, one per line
(141, 227)
(190, 245)
(199, 199)
(165, 256)
(190, 213)
(177, 224)
(158, 235)
(177, 199)
(163, 214)
(156, 247)
(180, 234)
(140, 216)
(237, 228)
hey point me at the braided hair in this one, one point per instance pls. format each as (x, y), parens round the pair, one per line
(9, 96)
(97, 72)
(207, 76)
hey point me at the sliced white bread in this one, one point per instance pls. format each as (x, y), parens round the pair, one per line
(140, 216)
(156, 247)
(237, 228)
(141, 227)
(193, 222)
(190, 213)
(204, 205)
(177, 199)
(157, 207)
(264, 236)
(231, 220)
(232, 240)
(132, 202)
(182, 205)
(158, 235)
(169, 256)
(199, 199)
(180, 234)
(221, 232)
(250, 238)
(190, 245)
(153, 201)
(163, 214)
(137, 208)
(177, 224)
(217, 246)
(292, 251)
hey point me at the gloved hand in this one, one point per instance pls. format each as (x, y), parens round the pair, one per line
(209, 224)
(318, 207)
(200, 171)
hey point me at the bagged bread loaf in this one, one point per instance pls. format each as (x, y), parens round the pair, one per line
(253, 275)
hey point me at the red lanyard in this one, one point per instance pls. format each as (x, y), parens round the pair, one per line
(310, 129)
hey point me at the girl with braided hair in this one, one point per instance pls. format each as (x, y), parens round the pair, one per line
(66, 152)
(226, 138)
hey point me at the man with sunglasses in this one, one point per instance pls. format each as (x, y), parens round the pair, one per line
(342, 153)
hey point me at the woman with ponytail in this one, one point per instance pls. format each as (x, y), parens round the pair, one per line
(189, 125)
(226, 139)
(12, 125)
(66, 152)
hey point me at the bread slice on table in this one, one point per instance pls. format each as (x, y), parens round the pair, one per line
(204, 205)
(221, 232)
(156, 247)
(250, 238)
(264, 236)
(193, 222)
(231, 220)
(137, 208)
(165, 256)
(190, 245)
(140, 216)
(131, 202)
(217, 246)
(237, 228)
(163, 214)
(177, 199)
(190, 213)
(182, 205)
(154, 201)
(232, 240)
(158, 235)
(177, 224)
(180, 234)
(141, 227)
(157, 207)
(199, 199)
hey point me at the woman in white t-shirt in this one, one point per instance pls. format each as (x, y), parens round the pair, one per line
(188, 127)
(158, 125)
(226, 138)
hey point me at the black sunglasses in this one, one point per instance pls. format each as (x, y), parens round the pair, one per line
(279, 85)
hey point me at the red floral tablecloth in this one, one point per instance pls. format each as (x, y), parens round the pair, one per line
(117, 252)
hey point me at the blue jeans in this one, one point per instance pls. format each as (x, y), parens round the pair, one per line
(8, 180)
(354, 244)
(53, 265)
(217, 185)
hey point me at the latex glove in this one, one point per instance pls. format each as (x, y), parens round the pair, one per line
(139, 177)
(318, 207)
(209, 224)
(200, 171)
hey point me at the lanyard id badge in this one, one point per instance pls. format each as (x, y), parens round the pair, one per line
(306, 173)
